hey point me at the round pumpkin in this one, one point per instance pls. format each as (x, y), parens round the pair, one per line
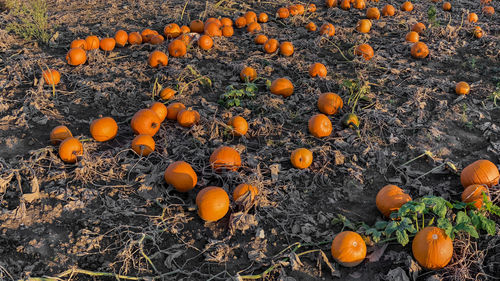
(107, 44)
(412, 36)
(472, 17)
(248, 74)
(188, 117)
(103, 129)
(158, 58)
(488, 10)
(213, 29)
(407, 6)
(327, 29)
(157, 39)
(331, 3)
(480, 172)
(250, 16)
(364, 26)
(172, 30)
(239, 126)
(205, 42)
(173, 110)
(121, 38)
(419, 50)
(474, 194)
(240, 22)
(225, 158)
(212, 203)
(143, 145)
(301, 158)
(317, 69)
(263, 17)
(185, 29)
(330, 103)
(226, 22)
(364, 50)
(227, 31)
(478, 32)
(282, 87)
(135, 38)
(432, 248)
(271, 46)
(388, 10)
(311, 26)
(243, 189)
(462, 88)
(446, 6)
(254, 27)
(92, 42)
(167, 93)
(160, 109)
(78, 43)
(197, 26)
(283, 13)
(359, 4)
(70, 149)
(59, 134)
(145, 122)
(320, 126)
(345, 5)
(51, 76)
(261, 39)
(348, 248)
(76, 56)
(390, 198)
(311, 8)
(286, 48)
(181, 176)
(177, 48)
(418, 27)
(372, 13)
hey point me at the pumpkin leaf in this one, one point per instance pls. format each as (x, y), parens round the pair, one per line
(446, 225)
(381, 225)
(490, 207)
(460, 205)
(402, 237)
(488, 225)
(438, 205)
(374, 233)
(466, 227)
(462, 218)
(391, 227)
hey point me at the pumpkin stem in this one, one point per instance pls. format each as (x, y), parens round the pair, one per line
(434, 236)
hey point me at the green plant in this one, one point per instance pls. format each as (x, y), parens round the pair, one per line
(431, 16)
(31, 19)
(426, 211)
(356, 91)
(496, 94)
(465, 120)
(233, 96)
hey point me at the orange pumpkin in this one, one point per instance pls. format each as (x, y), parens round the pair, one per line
(240, 22)
(212, 203)
(301, 158)
(227, 31)
(243, 189)
(478, 32)
(216, 21)
(253, 27)
(412, 36)
(184, 38)
(181, 176)
(348, 248)
(185, 29)
(213, 29)
(282, 87)
(293, 10)
(177, 48)
(78, 43)
(147, 34)
(248, 74)
(317, 69)
(92, 42)
(330, 103)
(226, 22)
(286, 48)
(167, 93)
(173, 110)
(271, 46)
(121, 38)
(388, 10)
(160, 109)
(103, 129)
(51, 76)
(225, 158)
(418, 27)
(331, 3)
(135, 38)
(70, 149)
(172, 30)
(311, 26)
(488, 10)
(311, 8)
(282, 13)
(76, 56)
(157, 39)
(320, 126)
(474, 194)
(373, 13)
(239, 126)
(263, 17)
(188, 117)
(145, 122)
(472, 17)
(462, 88)
(327, 29)
(407, 6)
(261, 39)
(364, 26)
(250, 16)
(390, 198)
(205, 42)
(480, 172)
(419, 50)
(446, 6)
(143, 145)
(197, 26)
(59, 134)
(157, 58)
(345, 5)
(432, 248)
(107, 44)
(359, 4)
(364, 50)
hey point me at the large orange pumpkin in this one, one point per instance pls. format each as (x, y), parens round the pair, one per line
(70, 149)
(160, 109)
(181, 176)
(212, 203)
(348, 248)
(320, 126)
(419, 50)
(474, 194)
(330, 103)
(225, 158)
(173, 109)
(103, 129)
(301, 158)
(239, 126)
(76, 56)
(59, 134)
(143, 145)
(282, 87)
(480, 172)
(145, 122)
(158, 58)
(432, 248)
(317, 69)
(390, 198)
(188, 117)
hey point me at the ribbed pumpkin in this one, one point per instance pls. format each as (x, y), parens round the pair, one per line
(70, 149)
(432, 248)
(143, 145)
(480, 172)
(212, 203)
(320, 126)
(330, 103)
(157, 58)
(145, 122)
(188, 117)
(181, 176)
(348, 248)
(390, 198)
(462, 88)
(282, 87)
(242, 189)
(474, 194)
(51, 76)
(301, 158)
(317, 69)
(239, 126)
(103, 129)
(76, 56)
(59, 134)
(248, 74)
(225, 158)
(160, 109)
(174, 109)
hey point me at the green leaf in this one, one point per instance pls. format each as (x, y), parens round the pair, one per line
(469, 228)
(459, 205)
(475, 219)
(394, 215)
(391, 227)
(375, 234)
(381, 225)
(488, 225)
(462, 218)
(446, 225)
(402, 237)
(237, 102)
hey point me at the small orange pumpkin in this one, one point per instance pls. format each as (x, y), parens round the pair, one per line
(248, 74)
(364, 50)
(472, 17)
(157, 58)
(345, 5)
(51, 76)
(70, 149)
(480, 172)
(185, 29)
(239, 126)
(78, 43)
(372, 13)
(226, 22)
(359, 4)
(181, 176)
(145, 122)
(240, 22)
(407, 6)
(103, 129)
(474, 194)
(254, 27)
(212, 203)
(197, 26)
(177, 48)
(107, 44)
(286, 48)
(157, 39)
(271, 46)
(311, 26)
(188, 117)
(348, 248)
(330, 103)
(446, 6)
(301, 158)
(147, 34)
(364, 26)
(261, 39)
(205, 42)
(419, 50)
(388, 10)
(327, 29)
(243, 189)
(432, 248)
(135, 38)
(213, 20)
(390, 198)
(173, 109)
(331, 3)
(311, 8)
(418, 27)
(225, 158)
(160, 109)
(282, 87)
(213, 29)
(167, 93)
(59, 134)
(121, 38)
(143, 145)
(250, 16)
(76, 56)
(227, 31)
(412, 36)
(172, 30)
(92, 42)
(488, 10)
(282, 13)
(462, 88)
(263, 17)
(320, 125)
(478, 32)
(318, 69)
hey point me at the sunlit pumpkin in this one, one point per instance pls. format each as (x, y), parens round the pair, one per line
(432, 248)
(390, 198)
(480, 172)
(348, 248)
